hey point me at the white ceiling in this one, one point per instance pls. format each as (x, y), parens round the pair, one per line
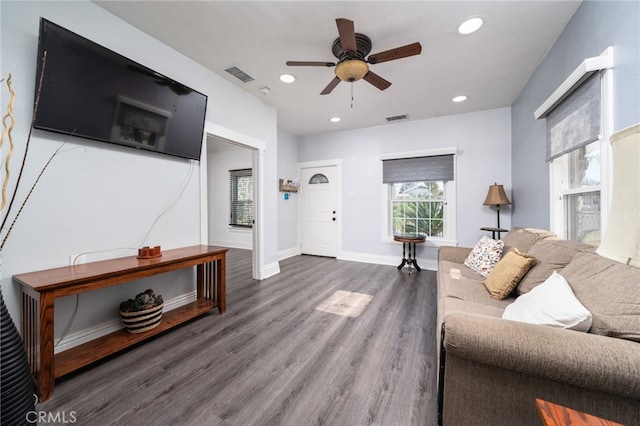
(491, 66)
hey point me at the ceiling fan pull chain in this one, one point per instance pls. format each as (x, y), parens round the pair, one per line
(352, 94)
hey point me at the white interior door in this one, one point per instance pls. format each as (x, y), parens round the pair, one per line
(319, 199)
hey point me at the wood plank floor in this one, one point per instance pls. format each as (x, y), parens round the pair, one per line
(273, 359)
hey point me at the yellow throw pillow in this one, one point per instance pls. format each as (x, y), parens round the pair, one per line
(507, 273)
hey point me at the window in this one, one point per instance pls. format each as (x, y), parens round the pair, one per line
(419, 195)
(241, 198)
(418, 207)
(578, 193)
(578, 114)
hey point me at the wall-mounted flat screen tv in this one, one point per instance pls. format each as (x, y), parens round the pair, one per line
(92, 92)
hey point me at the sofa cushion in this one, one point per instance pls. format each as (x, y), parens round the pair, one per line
(524, 238)
(551, 303)
(484, 256)
(471, 291)
(453, 305)
(610, 291)
(507, 273)
(552, 255)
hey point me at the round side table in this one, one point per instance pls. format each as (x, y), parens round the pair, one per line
(409, 244)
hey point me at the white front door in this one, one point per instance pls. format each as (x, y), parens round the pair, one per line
(319, 199)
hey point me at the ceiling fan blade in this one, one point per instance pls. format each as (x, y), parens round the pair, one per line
(332, 85)
(397, 53)
(376, 80)
(310, 64)
(347, 34)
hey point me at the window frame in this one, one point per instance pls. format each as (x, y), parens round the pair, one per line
(234, 175)
(449, 215)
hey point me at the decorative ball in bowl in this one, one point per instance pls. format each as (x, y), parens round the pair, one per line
(142, 313)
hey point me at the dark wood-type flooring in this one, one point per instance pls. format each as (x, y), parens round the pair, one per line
(273, 359)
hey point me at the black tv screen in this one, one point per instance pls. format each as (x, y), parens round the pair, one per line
(90, 91)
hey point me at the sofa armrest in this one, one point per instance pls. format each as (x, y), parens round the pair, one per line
(453, 254)
(581, 359)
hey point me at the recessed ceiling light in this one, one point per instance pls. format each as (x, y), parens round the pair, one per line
(471, 25)
(460, 98)
(287, 78)
(335, 119)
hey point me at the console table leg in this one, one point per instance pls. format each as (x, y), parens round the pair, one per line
(46, 377)
(221, 279)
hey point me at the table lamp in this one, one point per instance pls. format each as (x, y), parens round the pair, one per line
(496, 197)
(621, 240)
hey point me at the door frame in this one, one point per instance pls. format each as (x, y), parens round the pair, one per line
(337, 163)
(258, 148)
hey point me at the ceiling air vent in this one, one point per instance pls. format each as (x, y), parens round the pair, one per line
(239, 74)
(398, 117)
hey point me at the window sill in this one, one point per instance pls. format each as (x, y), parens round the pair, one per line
(240, 229)
(430, 242)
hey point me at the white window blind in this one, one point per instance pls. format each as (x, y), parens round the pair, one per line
(418, 169)
(575, 122)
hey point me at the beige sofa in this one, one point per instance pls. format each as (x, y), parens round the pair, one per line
(493, 369)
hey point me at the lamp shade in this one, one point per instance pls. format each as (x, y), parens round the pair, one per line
(351, 70)
(621, 239)
(496, 196)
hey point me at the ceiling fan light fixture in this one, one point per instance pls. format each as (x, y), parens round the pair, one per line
(351, 70)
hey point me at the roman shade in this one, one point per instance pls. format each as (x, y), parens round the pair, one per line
(418, 169)
(575, 122)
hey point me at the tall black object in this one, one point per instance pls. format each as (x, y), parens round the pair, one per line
(16, 385)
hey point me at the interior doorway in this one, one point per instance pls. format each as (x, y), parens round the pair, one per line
(215, 134)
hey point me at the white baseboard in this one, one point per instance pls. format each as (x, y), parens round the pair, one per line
(287, 253)
(88, 334)
(430, 264)
(248, 245)
(270, 270)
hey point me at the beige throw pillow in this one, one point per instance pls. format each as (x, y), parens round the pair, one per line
(507, 273)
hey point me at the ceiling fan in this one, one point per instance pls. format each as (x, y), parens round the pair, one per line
(351, 49)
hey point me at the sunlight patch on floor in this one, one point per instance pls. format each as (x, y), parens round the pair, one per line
(345, 303)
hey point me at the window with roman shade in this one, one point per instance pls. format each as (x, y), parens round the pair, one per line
(417, 194)
(241, 198)
(579, 115)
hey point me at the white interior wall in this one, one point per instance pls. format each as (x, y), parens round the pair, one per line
(96, 196)
(483, 141)
(222, 157)
(287, 208)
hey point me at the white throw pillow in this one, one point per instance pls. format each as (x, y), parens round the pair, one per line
(484, 255)
(551, 303)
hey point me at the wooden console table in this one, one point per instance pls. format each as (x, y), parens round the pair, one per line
(557, 415)
(40, 289)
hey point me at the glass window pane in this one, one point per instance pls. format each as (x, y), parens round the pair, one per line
(437, 228)
(415, 206)
(318, 178)
(583, 217)
(584, 166)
